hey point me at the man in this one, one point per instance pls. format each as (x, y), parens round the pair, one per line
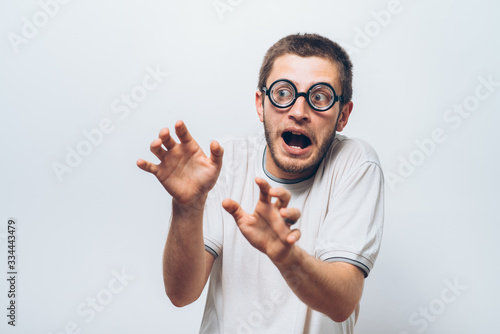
(298, 262)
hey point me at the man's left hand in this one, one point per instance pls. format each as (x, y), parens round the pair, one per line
(266, 229)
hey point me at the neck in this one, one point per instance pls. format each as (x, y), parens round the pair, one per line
(271, 169)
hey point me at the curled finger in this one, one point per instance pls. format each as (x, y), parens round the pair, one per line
(283, 196)
(264, 189)
(147, 166)
(233, 208)
(182, 132)
(290, 215)
(156, 149)
(167, 139)
(293, 237)
(216, 153)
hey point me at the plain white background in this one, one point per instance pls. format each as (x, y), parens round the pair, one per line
(416, 64)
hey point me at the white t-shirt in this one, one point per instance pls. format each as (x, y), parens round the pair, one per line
(341, 219)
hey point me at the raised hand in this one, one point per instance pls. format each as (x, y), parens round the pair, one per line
(267, 229)
(184, 170)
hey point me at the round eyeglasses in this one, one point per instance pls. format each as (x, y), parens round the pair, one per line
(283, 93)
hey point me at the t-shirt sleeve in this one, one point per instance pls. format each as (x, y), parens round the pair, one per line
(352, 230)
(213, 221)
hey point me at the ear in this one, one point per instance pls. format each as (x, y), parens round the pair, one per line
(344, 115)
(259, 105)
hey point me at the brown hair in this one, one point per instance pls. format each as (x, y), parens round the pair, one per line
(310, 45)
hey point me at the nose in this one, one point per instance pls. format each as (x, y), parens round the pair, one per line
(300, 110)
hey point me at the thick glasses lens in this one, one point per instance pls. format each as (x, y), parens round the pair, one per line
(282, 93)
(321, 97)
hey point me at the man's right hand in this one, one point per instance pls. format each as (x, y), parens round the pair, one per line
(184, 170)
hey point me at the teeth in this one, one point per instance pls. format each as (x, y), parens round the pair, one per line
(296, 133)
(297, 147)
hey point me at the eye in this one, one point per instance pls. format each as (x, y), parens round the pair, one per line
(284, 93)
(320, 97)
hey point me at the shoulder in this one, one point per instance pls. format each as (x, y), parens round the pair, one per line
(353, 149)
(349, 156)
(239, 147)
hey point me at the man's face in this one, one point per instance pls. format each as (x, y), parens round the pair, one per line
(298, 137)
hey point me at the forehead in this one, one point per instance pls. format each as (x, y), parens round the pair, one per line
(305, 71)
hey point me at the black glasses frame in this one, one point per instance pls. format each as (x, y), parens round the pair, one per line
(307, 95)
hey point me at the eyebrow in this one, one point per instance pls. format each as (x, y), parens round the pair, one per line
(310, 84)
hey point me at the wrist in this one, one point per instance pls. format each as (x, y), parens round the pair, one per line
(189, 209)
(290, 260)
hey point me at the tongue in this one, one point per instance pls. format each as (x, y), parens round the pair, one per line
(297, 141)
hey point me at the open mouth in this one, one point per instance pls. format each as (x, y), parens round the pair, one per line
(296, 140)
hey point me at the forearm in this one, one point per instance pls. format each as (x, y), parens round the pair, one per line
(184, 263)
(331, 288)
